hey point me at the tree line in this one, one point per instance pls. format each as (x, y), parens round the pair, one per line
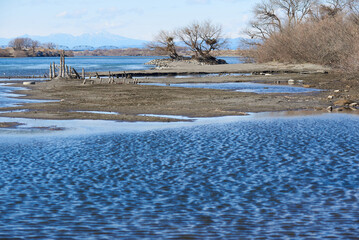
(315, 31)
(28, 43)
(27, 47)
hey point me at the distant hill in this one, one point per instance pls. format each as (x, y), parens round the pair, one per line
(103, 40)
(95, 40)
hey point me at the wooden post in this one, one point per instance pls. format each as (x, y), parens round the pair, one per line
(70, 72)
(67, 71)
(83, 73)
(60, 70)
(50, 72)
(63, 64)
(53, 69)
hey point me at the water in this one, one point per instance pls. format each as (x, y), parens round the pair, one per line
(40, 65)
(241, 87)
(8, 98)
(271, 178)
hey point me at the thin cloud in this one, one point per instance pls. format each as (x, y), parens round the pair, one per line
(72, 14)
(198, 1)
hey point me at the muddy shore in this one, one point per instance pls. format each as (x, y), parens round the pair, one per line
(130, 100)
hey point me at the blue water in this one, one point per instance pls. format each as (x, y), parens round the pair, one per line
(40, 65)
(9, 99)
(250, 178)
(241, 87)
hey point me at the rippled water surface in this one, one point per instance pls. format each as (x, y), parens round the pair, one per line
(40, 65)
(276, 178)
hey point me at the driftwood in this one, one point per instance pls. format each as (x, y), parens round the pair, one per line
(77, 75)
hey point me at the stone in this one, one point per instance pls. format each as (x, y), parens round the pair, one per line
(330, 108)
(291, 81)
(330, 97)
(28, 83)
(353, 105)
(336, 91)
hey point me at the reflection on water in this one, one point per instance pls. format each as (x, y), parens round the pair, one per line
(241, 87)
(271, 178)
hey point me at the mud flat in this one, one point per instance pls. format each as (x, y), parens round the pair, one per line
(131, 102)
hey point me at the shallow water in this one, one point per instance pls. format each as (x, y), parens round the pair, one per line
(40, 65)
(275, 178)
(9, 99)
(241, 87)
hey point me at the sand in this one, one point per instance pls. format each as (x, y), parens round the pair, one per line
(130, 100)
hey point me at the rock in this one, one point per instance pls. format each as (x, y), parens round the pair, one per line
(307, 86)
(330, 97)
(330, 109)
(336, 91)
(28, 83)
(353, 105)
(291, 81)
(342, 102)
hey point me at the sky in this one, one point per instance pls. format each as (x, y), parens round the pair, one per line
(139, 19)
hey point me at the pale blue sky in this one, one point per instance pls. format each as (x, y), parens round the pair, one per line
(140, 19)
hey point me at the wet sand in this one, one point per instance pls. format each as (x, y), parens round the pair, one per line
(129, 100)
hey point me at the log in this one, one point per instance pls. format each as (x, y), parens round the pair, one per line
(83, 73)
(77, 75)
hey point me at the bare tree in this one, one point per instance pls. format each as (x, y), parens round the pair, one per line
(164, 44)
(34, 44)
(49, 45)
(202, 38)
(353, 5)
(20, 43)
(273, 16)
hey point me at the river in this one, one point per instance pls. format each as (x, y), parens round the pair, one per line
(262, 176)
(39, 66)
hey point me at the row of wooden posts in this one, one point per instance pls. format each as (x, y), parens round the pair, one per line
(63, 70)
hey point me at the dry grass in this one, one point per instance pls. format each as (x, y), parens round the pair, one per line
(331, 42)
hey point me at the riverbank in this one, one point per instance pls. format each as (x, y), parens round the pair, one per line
(128, 102)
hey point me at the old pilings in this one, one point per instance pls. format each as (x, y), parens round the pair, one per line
(63, 70)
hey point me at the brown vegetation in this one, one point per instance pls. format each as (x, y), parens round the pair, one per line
(324, 33)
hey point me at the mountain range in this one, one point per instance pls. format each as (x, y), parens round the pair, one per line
(103, 40)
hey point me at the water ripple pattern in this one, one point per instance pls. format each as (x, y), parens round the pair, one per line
(280, 178)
